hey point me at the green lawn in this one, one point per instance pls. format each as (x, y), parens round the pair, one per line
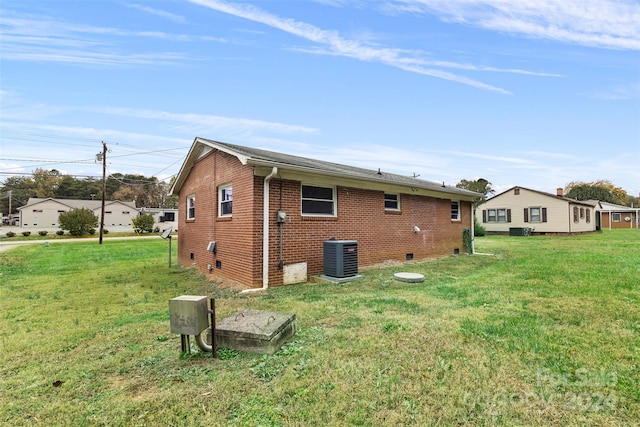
(545, 331)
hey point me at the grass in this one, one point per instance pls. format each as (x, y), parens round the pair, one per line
(546, 331)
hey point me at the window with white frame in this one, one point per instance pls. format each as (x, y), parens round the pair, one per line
(617, 217)
(191, 207)
(575, 214)
(318, 200)
(392, 202)
(225, 200)
(496, 215)
(534, 215)
(455, 210)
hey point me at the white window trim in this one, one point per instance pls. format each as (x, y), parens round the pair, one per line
(334, 200)
(539, 220)
(459, 216)
(397, 201)
(191, 197)
(220, 201)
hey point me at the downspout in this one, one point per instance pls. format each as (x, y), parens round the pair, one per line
(265, 228)
(472, 205)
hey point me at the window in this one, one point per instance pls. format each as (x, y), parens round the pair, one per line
(125, 212)
(535, 214)
(37, 211)
(107, 212)
(575, 214)
(318, 200)
(516, 191)
(191, 207)
(225, 200)
(581, 213)
(588, 216)
(455, 210)
(392, 202)
(169, 216)
(617, 216)
(502, 215)
(496, 215)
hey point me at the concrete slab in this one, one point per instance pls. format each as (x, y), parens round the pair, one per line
(340, 279)
(409, 277)
(255, 331)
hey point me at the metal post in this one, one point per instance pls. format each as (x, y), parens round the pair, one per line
(212, 313)
(169, 251)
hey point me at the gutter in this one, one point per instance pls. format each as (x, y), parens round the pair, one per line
(265, 232)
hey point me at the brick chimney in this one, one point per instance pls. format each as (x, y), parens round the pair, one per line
(559, 192)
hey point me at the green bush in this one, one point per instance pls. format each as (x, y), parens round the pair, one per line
(60, 232)
(26, 233)
(78, 222)
(42, 232)
(10, 234)
(143, 223)
(105, 231)
(478, 229)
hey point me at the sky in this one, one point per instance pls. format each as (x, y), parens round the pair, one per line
(534, 93)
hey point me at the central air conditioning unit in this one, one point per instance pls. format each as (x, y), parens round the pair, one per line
(340, 258)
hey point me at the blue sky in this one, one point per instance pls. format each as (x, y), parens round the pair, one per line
(536, 93)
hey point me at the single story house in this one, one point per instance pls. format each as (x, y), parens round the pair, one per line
(43, 213)
(617, 216)
(260, 218)
(164, 218)
(520, 208)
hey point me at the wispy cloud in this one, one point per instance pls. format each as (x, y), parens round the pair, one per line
(199, 123)
(45, 39)
(595, 23)
(161, 13)
(617, 93)
(338, 45)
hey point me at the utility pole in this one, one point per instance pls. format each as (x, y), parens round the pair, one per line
(104, 187)
(9, 214)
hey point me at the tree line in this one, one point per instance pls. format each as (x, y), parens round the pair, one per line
(42, 183)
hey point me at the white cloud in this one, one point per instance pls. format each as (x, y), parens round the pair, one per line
(338, 45)
(45, 39)
(595, 23)
(161, 13)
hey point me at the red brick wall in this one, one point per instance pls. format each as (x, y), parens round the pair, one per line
(619, 224)
(381, 235)
(238, 238)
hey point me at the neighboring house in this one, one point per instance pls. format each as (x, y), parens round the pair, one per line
(543, 213)
(616, 216)
(164, 218)
(260, 218)
(43, 213)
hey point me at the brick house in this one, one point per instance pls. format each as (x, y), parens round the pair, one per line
(227, 232)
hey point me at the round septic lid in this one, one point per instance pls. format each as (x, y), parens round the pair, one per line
(409, 277)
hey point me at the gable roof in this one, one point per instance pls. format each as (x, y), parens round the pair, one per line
(590, 203)
(77, 203)
(258, 157)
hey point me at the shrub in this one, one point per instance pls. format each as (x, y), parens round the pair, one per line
(92, 231)
(105, 231)
(78, 222)
(26, 233)
(143, 223)
(478, 229)
(60, 232)
(10, 234)
(42, 232)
